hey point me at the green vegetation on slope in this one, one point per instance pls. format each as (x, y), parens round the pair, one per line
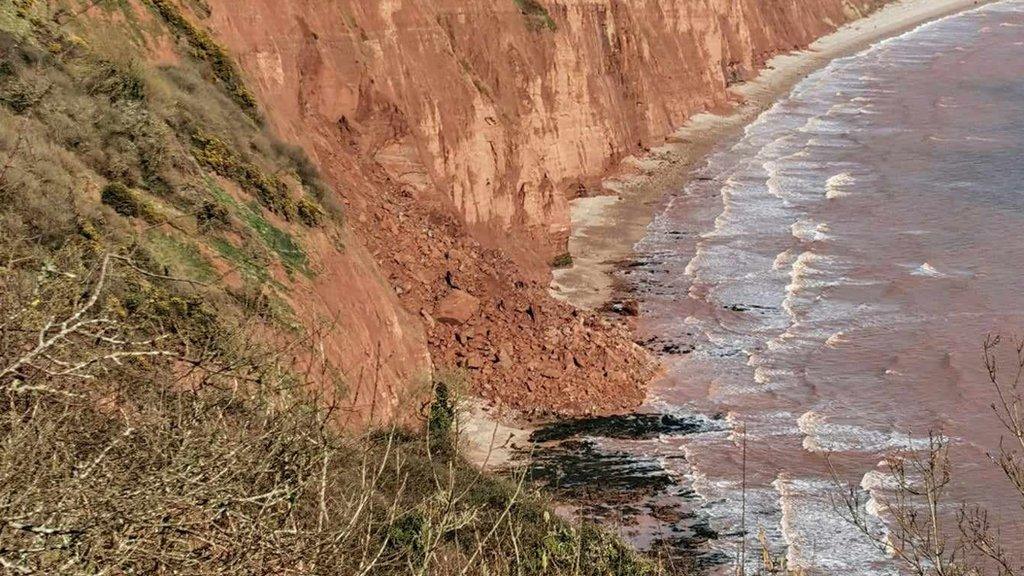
(88, 117)
(206, 49)
(537, 16)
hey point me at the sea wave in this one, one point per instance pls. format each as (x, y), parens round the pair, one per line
(810, 231)
(809, 270)
(927, 269)
(784, 259)
(823, 436)
(811, 524)
(839, 185)
(836, 339)
(876, 483)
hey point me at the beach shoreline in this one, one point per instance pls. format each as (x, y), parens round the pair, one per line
(606, 227)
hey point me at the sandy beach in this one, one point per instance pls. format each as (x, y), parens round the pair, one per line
(606, 227)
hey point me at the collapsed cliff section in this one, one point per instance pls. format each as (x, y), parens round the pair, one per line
(482, 315)
(178, 291)
(457, 131)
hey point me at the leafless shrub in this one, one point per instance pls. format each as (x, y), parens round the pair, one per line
(920, 533)
(137, 439)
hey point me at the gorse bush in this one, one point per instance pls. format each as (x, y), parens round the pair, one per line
(119, 82)
(536, 14)
(217, 155)
(207, 50)
(127, 203)
(121, 199)
(309, 212)
(212, 216)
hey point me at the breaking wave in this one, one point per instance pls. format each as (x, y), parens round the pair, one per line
(838, 185)
(823, 436)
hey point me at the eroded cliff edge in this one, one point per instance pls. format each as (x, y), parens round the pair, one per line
(457, 131)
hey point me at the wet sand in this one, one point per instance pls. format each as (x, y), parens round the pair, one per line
(490, 440)
(605, 228)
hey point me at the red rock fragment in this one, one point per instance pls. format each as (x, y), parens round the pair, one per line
(456, 308)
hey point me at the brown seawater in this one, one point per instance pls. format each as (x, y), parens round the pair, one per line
(827, 281)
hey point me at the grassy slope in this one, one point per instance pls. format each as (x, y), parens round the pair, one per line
(148, 225)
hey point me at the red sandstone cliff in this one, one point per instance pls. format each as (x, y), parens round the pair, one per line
(473, 103)
(456, 132)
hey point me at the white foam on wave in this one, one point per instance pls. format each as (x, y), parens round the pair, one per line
(838, 186)
(823, 436)
(824, 126)
(810, 231)
(781, 342)
(774, 180)
(927, 269)
(810, 524)
(882, 485)
(876, 483)
(693, 264)
(783, 260)
(723, 390)
(802, 277)
(834, 143)
(771, 378)
(723, 503)
(851, 108)
(722, 220)
(836, 339)
(789, 175)
(806, 265)
(761, 425)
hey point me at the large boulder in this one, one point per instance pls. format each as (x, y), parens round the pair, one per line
(456, 308)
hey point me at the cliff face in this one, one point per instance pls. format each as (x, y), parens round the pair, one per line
(456, 132)
(505, 114)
